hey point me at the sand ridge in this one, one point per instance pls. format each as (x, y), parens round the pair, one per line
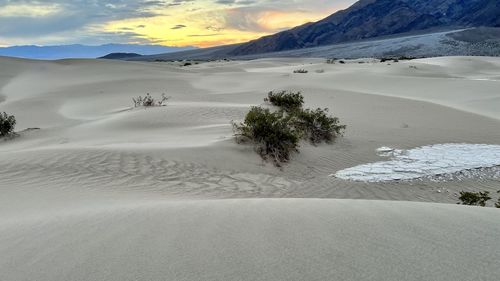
(105, 191)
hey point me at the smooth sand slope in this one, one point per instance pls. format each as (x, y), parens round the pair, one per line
(263, 239)
(103, 191)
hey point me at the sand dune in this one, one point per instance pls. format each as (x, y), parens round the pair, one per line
(83, 107)
(105, 191)
(254, 240)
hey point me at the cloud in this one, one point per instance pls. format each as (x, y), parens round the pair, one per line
(164, 21)
(178, 26)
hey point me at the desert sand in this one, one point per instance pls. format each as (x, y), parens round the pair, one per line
(105, 191)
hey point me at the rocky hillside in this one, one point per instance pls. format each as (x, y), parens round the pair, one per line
(373, 18)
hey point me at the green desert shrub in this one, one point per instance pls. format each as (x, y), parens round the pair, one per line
(396, 59)
(497, 204)
(276, 134)
(302, 71)
(474, 198)
(272, 133)
(7, 124)
(288, 101)
(317, 126)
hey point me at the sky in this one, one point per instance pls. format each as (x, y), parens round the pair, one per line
(200, 23)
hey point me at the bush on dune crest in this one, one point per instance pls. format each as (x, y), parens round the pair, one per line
(301, 71)
(317, 126)
(7, 124)
(497, 204)
(276, 134)
(285, 100)
(271, 132)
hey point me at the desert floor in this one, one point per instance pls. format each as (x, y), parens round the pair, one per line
(104, 191)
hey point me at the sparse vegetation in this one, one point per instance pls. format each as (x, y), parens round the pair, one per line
(286, 100)
(7, 124)
(276, 134)
(320, 71)
(303, 71)
(149, 101)
(474, 198)
(497, 204)
(271, 132)
(396, 59)
(317, 126)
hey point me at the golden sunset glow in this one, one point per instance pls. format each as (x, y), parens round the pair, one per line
(179, 23)
(211, 27)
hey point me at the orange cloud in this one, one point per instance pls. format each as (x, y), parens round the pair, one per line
(213, 26)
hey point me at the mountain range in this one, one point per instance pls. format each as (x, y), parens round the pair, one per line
(377, 28)
(83, 51)
(425, 27)
(373, 18)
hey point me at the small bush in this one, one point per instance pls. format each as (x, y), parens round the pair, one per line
(474, 198)
(317, 126)
(7, 124)
(320, 71)
(497, 204)
(300, 71)
(396, 59)
(286, 100)
(277, 134)
(149, 101)
(406, 58)
(271, 132)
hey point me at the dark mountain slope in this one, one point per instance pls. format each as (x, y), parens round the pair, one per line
(374, 18)
(119, 56)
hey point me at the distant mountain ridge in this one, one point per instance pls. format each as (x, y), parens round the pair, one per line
(373, 18)
(119, 56)
(84, 51)
(481, 41)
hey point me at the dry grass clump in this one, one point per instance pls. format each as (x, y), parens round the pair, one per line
(149, 101)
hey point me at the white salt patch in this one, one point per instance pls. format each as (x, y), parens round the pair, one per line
(385, 149)
(426, 161)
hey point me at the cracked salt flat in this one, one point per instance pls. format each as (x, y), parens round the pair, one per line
(424, 162)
